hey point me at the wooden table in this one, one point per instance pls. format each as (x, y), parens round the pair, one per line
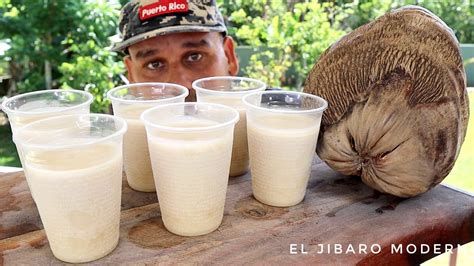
(338, 211)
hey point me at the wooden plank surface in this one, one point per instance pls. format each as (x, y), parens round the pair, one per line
(18, 212)
(337, 210)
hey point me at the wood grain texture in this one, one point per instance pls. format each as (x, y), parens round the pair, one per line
(18, 212)
(336, 210)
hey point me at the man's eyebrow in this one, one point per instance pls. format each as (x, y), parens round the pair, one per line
(146, 53)
(196, 44)
(189, 44)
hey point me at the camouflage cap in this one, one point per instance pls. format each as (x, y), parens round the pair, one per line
(144, 19)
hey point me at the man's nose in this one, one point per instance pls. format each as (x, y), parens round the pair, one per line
(178, 75)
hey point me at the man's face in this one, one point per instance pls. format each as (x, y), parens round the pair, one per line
(181, 58)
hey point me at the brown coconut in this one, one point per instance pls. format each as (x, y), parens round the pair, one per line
(398, 105)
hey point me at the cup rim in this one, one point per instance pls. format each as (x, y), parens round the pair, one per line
(233, 121)
(138, 84)
(197, 88)
(8, 110)
(283, 111)
(123, 128)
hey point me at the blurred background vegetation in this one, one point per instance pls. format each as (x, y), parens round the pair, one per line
(49, 44)
(60, 44)
(64, 43)
(297, 32)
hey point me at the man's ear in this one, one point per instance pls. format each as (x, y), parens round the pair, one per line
(128, 63)
(232, 60)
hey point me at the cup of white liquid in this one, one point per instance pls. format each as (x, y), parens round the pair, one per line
(73, 165)
(283, 131)
(228, 90)
(29, 107)
(129, 102)
(190, 147)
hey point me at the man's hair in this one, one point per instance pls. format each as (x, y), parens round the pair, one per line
(144, 19)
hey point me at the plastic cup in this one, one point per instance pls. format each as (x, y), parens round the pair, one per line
(229, 91)
(190, 147)
(29, 107)
(129, 102)
(283, 131)
(74, 169)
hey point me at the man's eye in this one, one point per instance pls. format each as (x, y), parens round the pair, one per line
(154, 65)
(194, 57)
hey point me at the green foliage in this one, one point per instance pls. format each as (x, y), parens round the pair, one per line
(71, 37)
(92, 66)
(8, 154)
(269, 66)
(96, 74)
(364, 11)
(458, 14)
(235, 12)
(61, 44)
(32, 33)
(297, 34)
(291, 35)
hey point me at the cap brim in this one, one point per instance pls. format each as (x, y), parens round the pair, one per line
(121, 46)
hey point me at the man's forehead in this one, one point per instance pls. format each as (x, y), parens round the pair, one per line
(178, 40)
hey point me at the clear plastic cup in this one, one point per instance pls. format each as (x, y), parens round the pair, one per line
(129, 102)
(190, 147)
(74, 169)
(283, 130)
(29, 107)
(229, 91)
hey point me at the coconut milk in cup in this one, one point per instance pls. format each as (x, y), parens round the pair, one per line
(129, 102)
(73, 165)
(283, 130)
(190, 147)
(228, 90)
(29, 107)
